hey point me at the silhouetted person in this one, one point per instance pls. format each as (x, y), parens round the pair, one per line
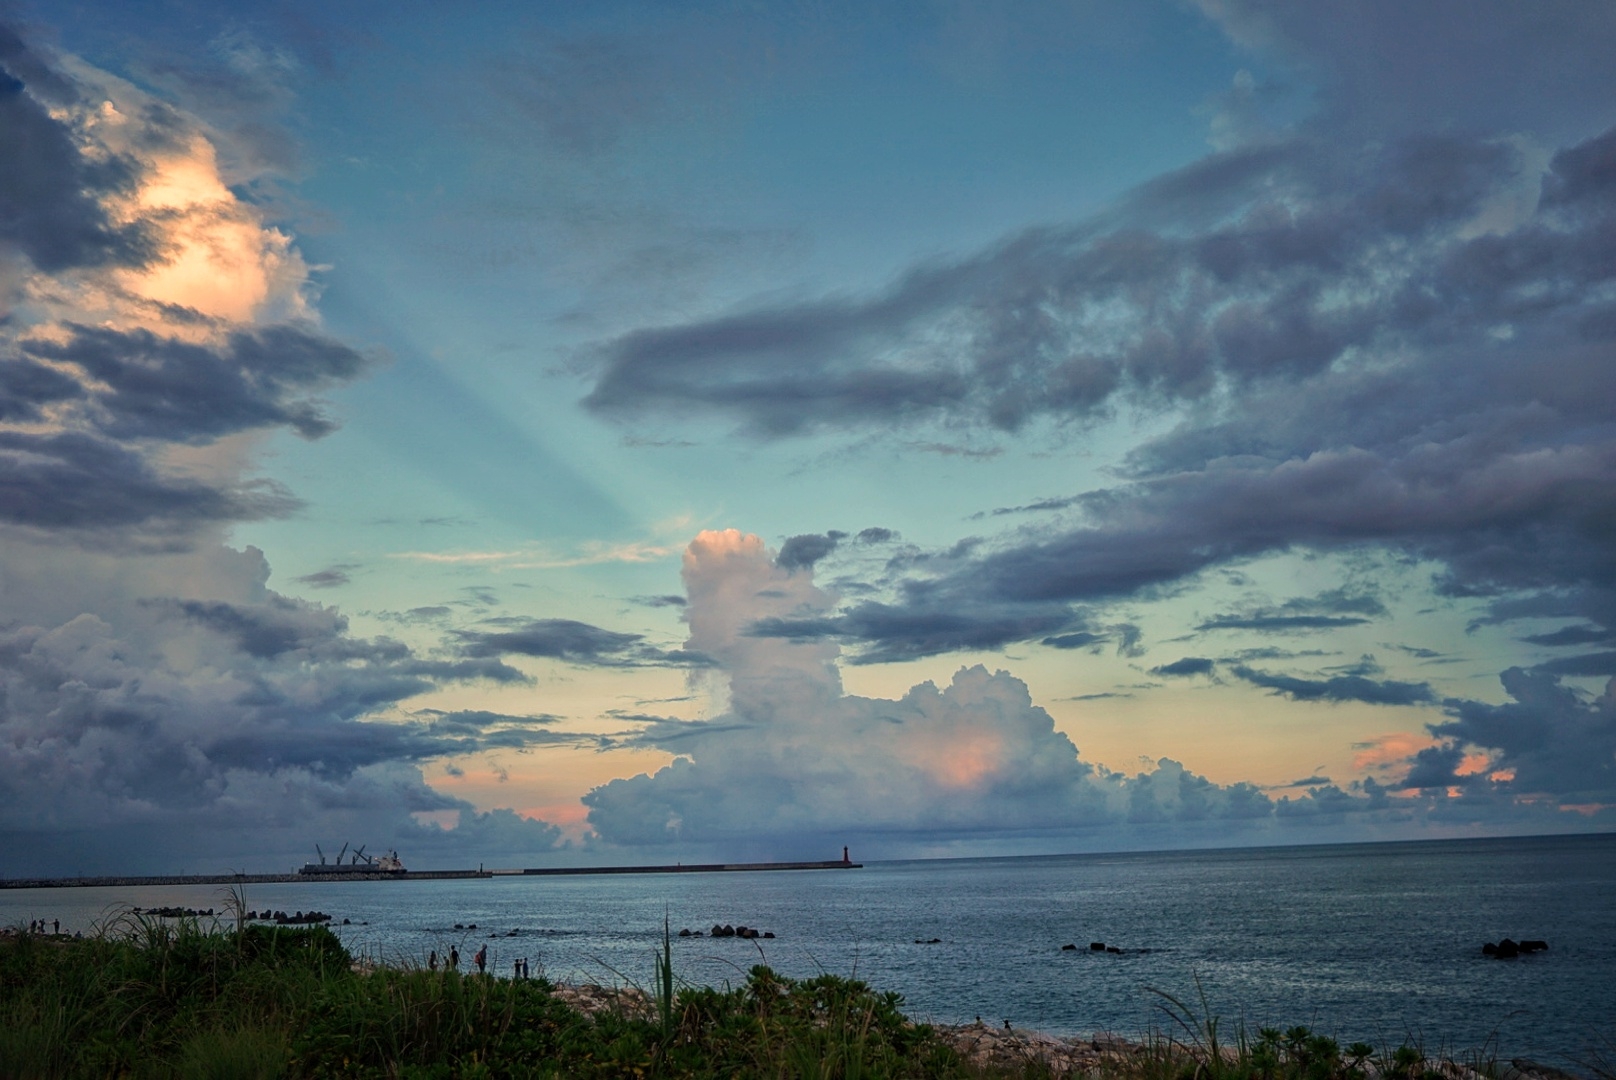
(454, 958)
(482, 959)
(56, 926)
(432, 960)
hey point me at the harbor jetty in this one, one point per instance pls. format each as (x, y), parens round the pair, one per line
(415, 875)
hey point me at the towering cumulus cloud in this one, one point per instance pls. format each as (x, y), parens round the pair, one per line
(795, 764)
(159, 705)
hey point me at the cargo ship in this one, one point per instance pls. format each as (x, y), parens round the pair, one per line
(359, 863)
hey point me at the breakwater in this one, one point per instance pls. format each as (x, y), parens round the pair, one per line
(411, 875)
(691, 868)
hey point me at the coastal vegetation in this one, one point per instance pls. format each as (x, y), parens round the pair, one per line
(153, 997)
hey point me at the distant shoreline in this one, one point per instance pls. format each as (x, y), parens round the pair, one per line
(130, 881)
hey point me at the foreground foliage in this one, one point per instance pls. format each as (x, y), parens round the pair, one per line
(153, 998)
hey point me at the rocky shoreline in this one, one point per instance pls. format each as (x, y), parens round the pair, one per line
(1005, 1047)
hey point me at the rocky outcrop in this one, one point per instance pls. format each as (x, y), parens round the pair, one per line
(1509, 949)
(1006, 1047)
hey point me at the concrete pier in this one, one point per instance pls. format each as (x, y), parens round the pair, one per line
(695, 868)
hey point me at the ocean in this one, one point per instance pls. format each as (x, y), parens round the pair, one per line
(1371, 942)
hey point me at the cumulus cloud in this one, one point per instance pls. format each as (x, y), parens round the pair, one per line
(158, 702)
(795, 763)
(1547, 740)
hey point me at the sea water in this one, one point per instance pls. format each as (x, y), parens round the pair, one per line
(1373, 942)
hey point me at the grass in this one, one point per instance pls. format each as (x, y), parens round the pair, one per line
(148, 997)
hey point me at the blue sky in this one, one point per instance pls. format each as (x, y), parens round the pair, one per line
(561, 433)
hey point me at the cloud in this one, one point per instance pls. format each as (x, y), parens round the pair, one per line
(1080, 640)
(889, 633)
(159, 705)
(178, 712)
(135, 352)
(1570, 635)
(804, 551)
(1387, 67)
(1548, 738)
(1340, 688)
(1394, 338)
(329, 578)
(1590, 664)
(796, 763)
(1189, 665)
(572, 641)
(53, 197)
(1326, 611)
(670, 600)
(1281, 624)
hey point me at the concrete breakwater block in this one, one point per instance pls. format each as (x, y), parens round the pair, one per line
(726, 930)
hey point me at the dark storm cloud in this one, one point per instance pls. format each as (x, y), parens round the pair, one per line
(1589, 664)
(1189, 665)
(572, 641)
(1553, 739)
(1035, 322)
(1410, 342)
(1384, 67)
(1280, 623)
(886, 633)
(78, 482)
(51, 192)
(1080, 640)
(1570, 635)
(27, 387)
(150, 387)
(805, 550)
(187, 712)
(1326, 611)
(1340, 688)
(1437, 767)
(477, 721)
(118, 396)
(329, 578)
(1032, 507)
(668, 600)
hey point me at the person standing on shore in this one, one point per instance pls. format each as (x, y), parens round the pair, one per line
(454, 958)
(482, 959)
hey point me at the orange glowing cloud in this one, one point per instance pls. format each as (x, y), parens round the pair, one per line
(959, 761)
(1389, 750)
(214, 252)
(218, 256)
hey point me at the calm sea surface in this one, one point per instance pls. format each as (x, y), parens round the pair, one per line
(1376, 942)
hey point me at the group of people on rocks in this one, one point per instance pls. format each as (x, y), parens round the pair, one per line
(451, 962)
(37, 926)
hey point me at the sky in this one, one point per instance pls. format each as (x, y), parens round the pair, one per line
(559, 434)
